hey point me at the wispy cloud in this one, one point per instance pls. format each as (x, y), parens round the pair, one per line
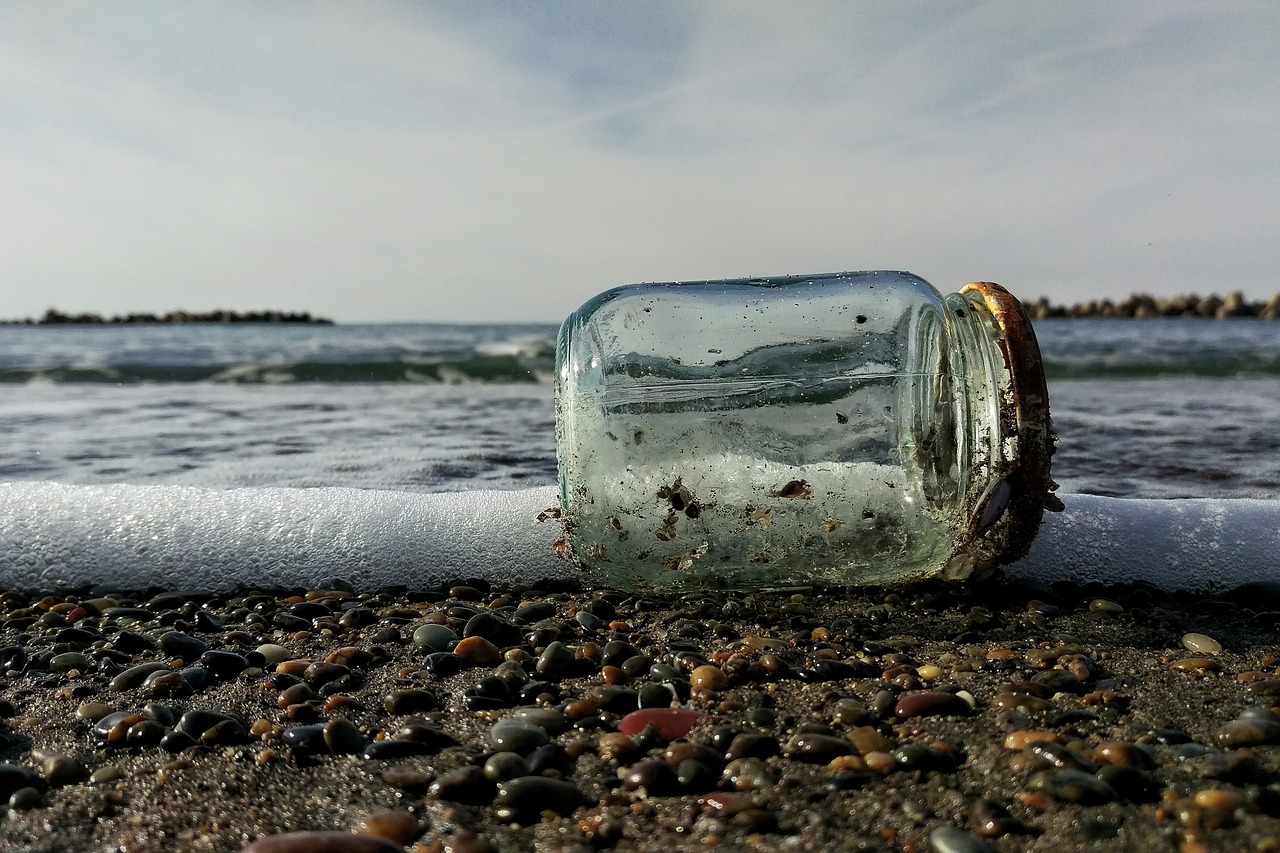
(507, 161)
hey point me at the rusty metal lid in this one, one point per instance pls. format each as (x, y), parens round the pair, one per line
(1025, 412)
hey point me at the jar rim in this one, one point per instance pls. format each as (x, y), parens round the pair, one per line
(1025, 411)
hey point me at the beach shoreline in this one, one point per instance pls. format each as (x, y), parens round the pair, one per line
(1129, 736)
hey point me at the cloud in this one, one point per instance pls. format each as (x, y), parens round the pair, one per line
(506, 161)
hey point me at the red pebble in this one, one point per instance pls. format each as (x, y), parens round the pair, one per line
(930, 705)
(672, 723)
(75, 615)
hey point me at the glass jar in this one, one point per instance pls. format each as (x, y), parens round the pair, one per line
(847, 428)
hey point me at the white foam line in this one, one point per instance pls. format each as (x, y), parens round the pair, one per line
(55, 536)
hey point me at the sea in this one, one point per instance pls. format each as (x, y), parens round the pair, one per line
(1153, 408)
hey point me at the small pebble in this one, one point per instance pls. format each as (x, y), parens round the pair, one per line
(434, 637)
(1200, 665)
(477, 651)
(510, 735)
(104, 774)
(525, 799)
(1201, 644)
(817, 748)
(91, 712)
(931, 705)
(61, 769)
(671, 723)
(323, 842)
(273, 654)
(502, 766)
(1218, 799)
(951, 839)
(394, 825)
(467, 785)
(1072, 786)
(409, 701)
(1248, 733)
(26, 798)
(711, 678)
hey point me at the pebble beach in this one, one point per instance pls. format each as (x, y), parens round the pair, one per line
(469, 718)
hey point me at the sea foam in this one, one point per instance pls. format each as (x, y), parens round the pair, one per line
(57, 536)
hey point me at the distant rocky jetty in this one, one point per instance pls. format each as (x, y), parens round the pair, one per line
(1142, 305)
(54, 317)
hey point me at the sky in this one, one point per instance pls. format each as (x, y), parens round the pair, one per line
(505, 161)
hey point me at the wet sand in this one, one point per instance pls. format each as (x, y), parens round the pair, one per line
(934, 717)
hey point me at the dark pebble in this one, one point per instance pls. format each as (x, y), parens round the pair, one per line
(818, 748)
(409, 701)
(502, 766)
(492, 687)
(226, 732)
(58, 769)
(222, 664)
(288, 622)
(358, 617)
(323, 842)
(931, 705)
(525, 799)
(139, 614)
(397, 748)
(198, 721)
(342, 737)
(26, 798)
(653, 775)
(549, 756)
(556, 659)
(1131, 783)
(515, 736)
(467, 785)
(167, 684)
(309, 737)
(493, 628)
(535, 612)
(76, 637)
(175, 742)
(1269, 687)
(320, 673)
(183, 646)
(135, 675)
(14, 778)
(426, 734)
(1073, 786)
(833, 670)
(208, 623)
(752, 745)
(145, 734)
(654, 696)
(443, 664)
(68, 661)
(637, 666)
(694, 775)
(1248, 733)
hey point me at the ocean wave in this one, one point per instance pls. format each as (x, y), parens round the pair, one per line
(510, 368)
(475, 368)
